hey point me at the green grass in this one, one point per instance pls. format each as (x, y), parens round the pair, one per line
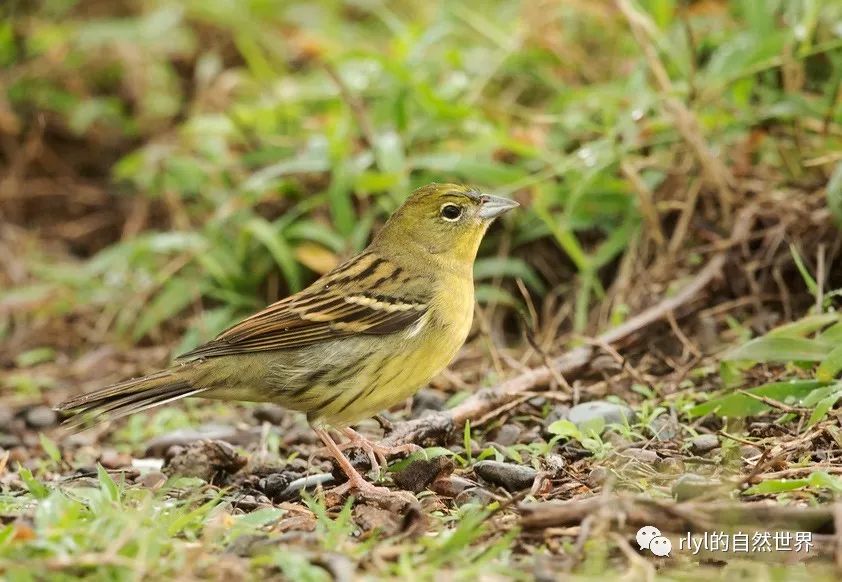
(268, 172)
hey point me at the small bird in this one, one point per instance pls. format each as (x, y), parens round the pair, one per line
(360, 339)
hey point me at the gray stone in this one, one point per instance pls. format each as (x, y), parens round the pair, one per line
(704, 443)
(598, 476)
(748, 452)
(509, 476)
(6, 417)
(664, 427)
(507, 435)
(609, 412)
(41, 417)
(451, 485)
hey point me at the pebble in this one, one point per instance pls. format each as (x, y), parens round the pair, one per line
(275, 484)
(9, 441)
(152, 480)
(419, 473)
(41, 417)
(598, 476)
(509, 476)
(451, 485)
(609, 412)
(427, 400)
(6, 417)
(474, 495)
(750, 452)
(704, 443)
(690, 485)
(664, 427)
(111, 459)
(507, 435)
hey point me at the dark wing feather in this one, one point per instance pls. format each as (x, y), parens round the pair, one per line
(358, 297)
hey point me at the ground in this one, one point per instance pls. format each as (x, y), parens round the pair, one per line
(655, 337)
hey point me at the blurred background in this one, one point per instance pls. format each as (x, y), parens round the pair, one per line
(169, 167)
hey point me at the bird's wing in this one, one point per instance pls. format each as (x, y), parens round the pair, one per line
(366, 295)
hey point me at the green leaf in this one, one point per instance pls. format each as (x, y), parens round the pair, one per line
(50, 447)
(37, 489)
(804, 326)
(781, 349)
(821, 409)
(176, 294)
(565, 428)
(740, 405)
(34, 357)
(107, 485)
(776, 486)
(280, 250)
(834, 193)
(830, 366)
(490, 267)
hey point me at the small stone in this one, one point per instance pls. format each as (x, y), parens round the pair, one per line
(609, 412)
(419, 473)
(6, 417)
(664, 427)
(427, 400)
(474, 495)
(451, 485)
(111, 459)
(41, 417)
(509, 476)
(690, 485)
(704, 443)
(750, 452)
(598, 476)
(647, 456)
(152, 480)
(274, 485)
(507, 435)
(9, 441)
(271, 413)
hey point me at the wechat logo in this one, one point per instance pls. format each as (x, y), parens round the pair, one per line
(649, 538)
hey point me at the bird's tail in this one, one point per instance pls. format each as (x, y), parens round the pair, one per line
(128, 397)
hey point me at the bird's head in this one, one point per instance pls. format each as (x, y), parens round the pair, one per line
(446, 220)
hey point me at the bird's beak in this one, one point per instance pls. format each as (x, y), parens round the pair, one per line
(494, 206)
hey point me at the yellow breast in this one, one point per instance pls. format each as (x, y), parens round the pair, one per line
(408, 360)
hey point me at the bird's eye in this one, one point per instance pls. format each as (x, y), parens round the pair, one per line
(451, 212)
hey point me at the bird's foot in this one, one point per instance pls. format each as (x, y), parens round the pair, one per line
(357, 482)
(377, 453)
